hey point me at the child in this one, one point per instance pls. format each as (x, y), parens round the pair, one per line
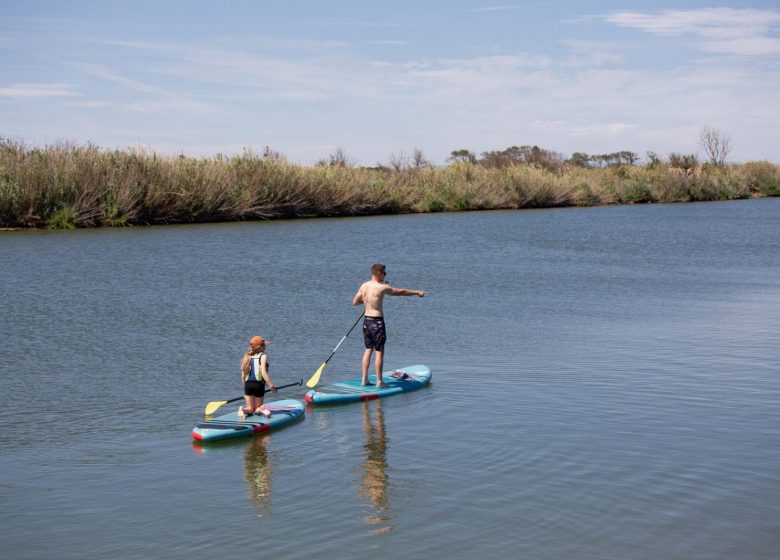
(254, 374)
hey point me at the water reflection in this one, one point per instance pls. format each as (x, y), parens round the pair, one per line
(257, 472)
(373, 483)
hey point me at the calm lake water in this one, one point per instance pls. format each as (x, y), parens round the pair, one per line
(606, 385)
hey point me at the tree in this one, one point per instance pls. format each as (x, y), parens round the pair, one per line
(268, 153)
(419, 161)
(398, 162)
(614, 159)
(403, 162)
(462, 156)
(653, 159)
(494, 159)
(541, 157)
(516, 155)
(683, 161)
(716, 144)
(338, 158)
(580, 159)
(627, 157)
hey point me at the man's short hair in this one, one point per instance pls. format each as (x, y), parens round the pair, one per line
(377, 269)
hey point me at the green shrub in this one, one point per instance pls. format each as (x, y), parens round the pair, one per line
(762, 178)
(64, 218)
(430, 203)
(584, 196)
(635, 192)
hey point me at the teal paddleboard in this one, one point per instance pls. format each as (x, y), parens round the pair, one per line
(231, 426)
(398, 381)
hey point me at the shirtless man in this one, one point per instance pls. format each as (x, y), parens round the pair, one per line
(371, 294)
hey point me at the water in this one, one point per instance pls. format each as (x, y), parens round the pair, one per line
(606, 386)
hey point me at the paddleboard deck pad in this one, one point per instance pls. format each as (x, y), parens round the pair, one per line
(398, 381)
(231, 426)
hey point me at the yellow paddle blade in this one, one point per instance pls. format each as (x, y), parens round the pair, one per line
(212, 407)
(316, 377)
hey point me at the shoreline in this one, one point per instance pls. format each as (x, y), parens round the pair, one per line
(283, 218)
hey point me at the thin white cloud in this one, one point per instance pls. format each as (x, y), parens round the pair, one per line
(744, 46)
(308, 71)
(579, 130)
(722, 30)
(280, 44)
(163, 106)
(253, 74)
(389, 43)
(134, 85)
(459, 77)
(38, 90)
(150, 106)
(93, 104)
(157, 100)
(706, 22)
(586, 54)
(507, 7)
(494, 8)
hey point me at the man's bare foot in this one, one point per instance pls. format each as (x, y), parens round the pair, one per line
(241, 413)
(382, 385)
(264, 411)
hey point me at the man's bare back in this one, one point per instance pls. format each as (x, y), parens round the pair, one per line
(372, 295)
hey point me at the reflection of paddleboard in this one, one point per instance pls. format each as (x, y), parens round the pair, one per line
(398, 381)
(231, 426)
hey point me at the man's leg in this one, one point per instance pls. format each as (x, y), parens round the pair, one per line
(365, 363)
(379, 362)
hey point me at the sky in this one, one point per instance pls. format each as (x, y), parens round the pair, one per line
(379, 80)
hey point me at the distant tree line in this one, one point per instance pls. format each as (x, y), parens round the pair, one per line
(547, 159)
(514, 155)
(624, 157)
(715, 143)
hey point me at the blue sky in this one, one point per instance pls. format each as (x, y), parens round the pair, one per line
(379, 80)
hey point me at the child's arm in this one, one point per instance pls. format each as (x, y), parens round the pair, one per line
(264, 368)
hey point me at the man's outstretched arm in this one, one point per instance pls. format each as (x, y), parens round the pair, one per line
(405, 292)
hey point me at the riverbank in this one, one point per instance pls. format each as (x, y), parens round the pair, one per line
(83, 186)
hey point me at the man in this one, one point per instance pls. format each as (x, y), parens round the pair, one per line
(371, 294)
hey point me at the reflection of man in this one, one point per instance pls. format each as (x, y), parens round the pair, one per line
(257, 472)
(371, 294)
(373, 486)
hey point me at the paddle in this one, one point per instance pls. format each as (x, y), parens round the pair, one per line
(212, 407)
(316, 377)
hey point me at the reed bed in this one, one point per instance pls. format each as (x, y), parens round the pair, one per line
(66, 186)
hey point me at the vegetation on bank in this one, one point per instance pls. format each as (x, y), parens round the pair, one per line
(68, 186)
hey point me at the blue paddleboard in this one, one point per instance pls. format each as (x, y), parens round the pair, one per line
(231, 426)
(398, 381)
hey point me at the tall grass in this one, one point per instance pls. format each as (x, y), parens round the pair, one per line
(83, 186)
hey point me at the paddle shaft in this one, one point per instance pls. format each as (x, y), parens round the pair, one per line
(344, 338)
(312, 382)
(268, 390)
